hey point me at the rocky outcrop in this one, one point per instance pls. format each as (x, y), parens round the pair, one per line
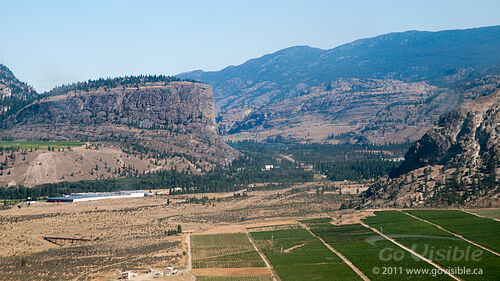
(160, 117)
(468, 136)
(10, 86)
(457, 162)
(14, 94)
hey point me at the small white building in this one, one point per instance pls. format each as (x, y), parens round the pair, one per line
(268, 167)
(128, 275)
(91, 196)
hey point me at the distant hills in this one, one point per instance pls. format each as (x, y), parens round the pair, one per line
(254, 88)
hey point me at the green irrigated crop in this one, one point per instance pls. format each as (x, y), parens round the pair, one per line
(234, 278)
(433, 243)
(297, 255)
(480, 230)
(224, 251)
(376, 257)
(317, 271)
(316, 220)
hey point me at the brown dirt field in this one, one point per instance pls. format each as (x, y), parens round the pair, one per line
(231, 271)
(350, 217)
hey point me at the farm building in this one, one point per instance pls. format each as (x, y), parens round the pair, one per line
(268, 167)
(81, 197)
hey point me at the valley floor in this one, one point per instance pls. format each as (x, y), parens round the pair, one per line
(255, 235)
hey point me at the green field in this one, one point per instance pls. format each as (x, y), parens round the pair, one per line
(297, 255)
(224, 251)
(436, 244)
(39, 144)
(234, 278)
(368, 250)
(480, 230)
(489, 213)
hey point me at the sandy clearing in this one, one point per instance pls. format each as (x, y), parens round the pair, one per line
(350, 218)
(245, 271)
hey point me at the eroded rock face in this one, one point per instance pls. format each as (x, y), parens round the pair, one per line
(457, 162)
(13, 93)
(177, 117)
(467, 136)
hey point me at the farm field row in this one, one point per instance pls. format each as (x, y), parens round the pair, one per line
(489, 213)
(233, 278)
(433, 243)
(297, 255)
(480, 230)
(224, 251)
(375, 256)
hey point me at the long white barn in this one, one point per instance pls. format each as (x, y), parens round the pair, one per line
(81, 197)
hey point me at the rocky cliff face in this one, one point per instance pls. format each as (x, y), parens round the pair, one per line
(13, 93)
(468, 136)
(455, 162)
(167, 118)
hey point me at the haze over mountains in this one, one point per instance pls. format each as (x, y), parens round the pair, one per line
(265, 97)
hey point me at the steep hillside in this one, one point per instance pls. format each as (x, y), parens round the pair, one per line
(456, 162)
(330, 110)
(14, 94)
(31, 167)
(355, 110)
(256, 88)
(156, 120)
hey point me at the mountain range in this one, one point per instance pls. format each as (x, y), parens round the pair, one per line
(264, 98)
(391, 88)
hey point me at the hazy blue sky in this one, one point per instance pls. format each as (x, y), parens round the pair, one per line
(47, 43)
